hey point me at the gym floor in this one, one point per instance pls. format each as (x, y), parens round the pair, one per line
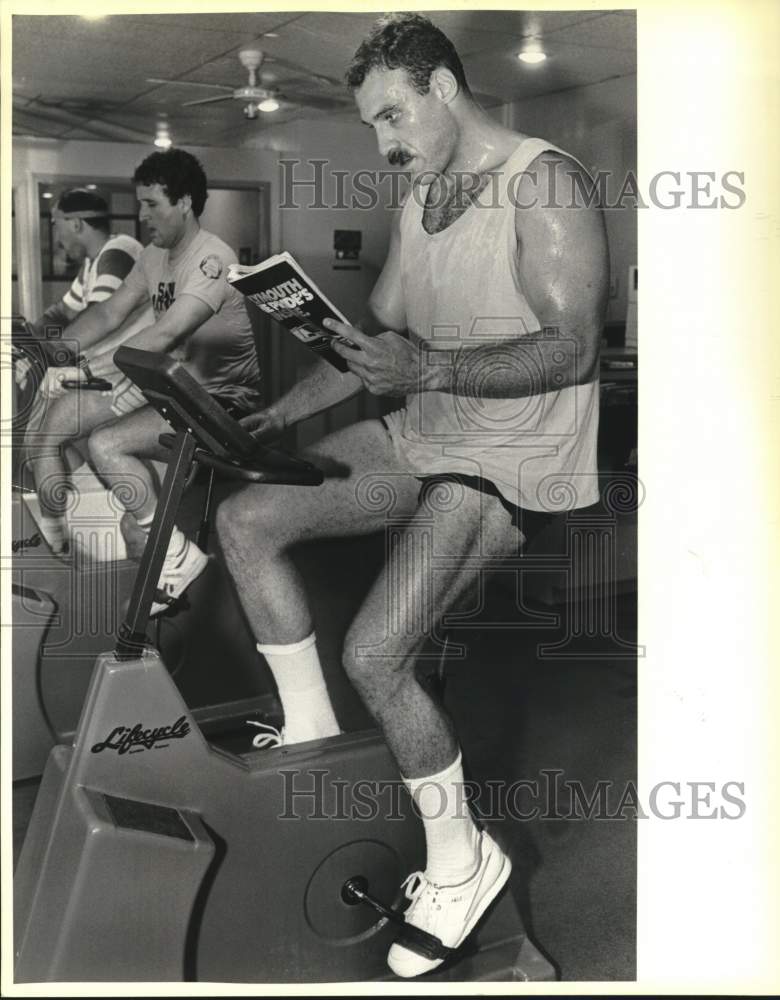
(519, 716)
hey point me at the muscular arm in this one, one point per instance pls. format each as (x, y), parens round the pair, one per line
(182, 319)
(58, 315)
(563, 271)
(102, 318)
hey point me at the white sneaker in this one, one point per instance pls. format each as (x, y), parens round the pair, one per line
(178, 574)
(449, 912)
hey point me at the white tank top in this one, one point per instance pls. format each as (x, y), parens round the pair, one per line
(461, 286)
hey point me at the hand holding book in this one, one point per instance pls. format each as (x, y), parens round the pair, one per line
(281, 288)
(387, 365)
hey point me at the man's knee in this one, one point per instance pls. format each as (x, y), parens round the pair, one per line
(374, 670)
(58, 425)
(103, 444)
(250, 513)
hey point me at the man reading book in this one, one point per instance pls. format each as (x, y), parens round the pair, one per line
(490, 307)
(198, 317)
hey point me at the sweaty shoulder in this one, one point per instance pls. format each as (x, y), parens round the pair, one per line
(554, 179)
(556, 193)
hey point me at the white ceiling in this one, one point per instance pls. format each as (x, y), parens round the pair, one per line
(82, 79)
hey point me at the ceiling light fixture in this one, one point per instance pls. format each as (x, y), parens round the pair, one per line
(47, 194)
(268, 105)
(162, 138)
(532, 56)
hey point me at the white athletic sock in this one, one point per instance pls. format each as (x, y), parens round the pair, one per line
(308, 713)
(54, 530)
(451, 835)
(177, 544)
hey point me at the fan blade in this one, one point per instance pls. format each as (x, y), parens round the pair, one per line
(301, 82)
(318, 101)
(207, 100)
(330, 80)
(190, 83)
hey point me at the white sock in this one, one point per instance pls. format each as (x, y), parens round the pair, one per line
(308, 713)
(451, 835)
(177, 544)
(54, 530)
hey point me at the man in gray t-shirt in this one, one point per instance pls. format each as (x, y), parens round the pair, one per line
(220, 353)
(199, 318)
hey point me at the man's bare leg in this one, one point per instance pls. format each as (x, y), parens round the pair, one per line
(256, 535)
(465, 869)
(412, 597)
(257, 527)
(118, 451)
(59, 421)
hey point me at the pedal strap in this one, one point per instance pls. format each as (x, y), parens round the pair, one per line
(422, 943)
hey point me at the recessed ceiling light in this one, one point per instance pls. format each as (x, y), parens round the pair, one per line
(531, 57)
(91, 187)
(268, 105)
(47, 194)
(270, 34)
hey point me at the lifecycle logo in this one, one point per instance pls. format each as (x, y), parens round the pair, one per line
(135, 739)
(17, 544)
(211, 266)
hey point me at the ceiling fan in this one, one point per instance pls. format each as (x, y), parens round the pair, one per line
(258, 96)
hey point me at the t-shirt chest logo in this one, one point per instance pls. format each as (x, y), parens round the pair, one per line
(165, 296)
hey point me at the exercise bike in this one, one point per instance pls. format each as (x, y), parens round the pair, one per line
(66, 611)
(153, 855)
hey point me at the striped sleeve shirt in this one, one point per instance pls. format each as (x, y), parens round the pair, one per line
(96, 281)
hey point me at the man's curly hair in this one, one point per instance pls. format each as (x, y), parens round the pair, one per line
(178, 173)
(410, 42)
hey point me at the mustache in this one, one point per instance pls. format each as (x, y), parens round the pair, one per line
(398, 157)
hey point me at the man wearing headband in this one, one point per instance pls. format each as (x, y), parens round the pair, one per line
(80, 227)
